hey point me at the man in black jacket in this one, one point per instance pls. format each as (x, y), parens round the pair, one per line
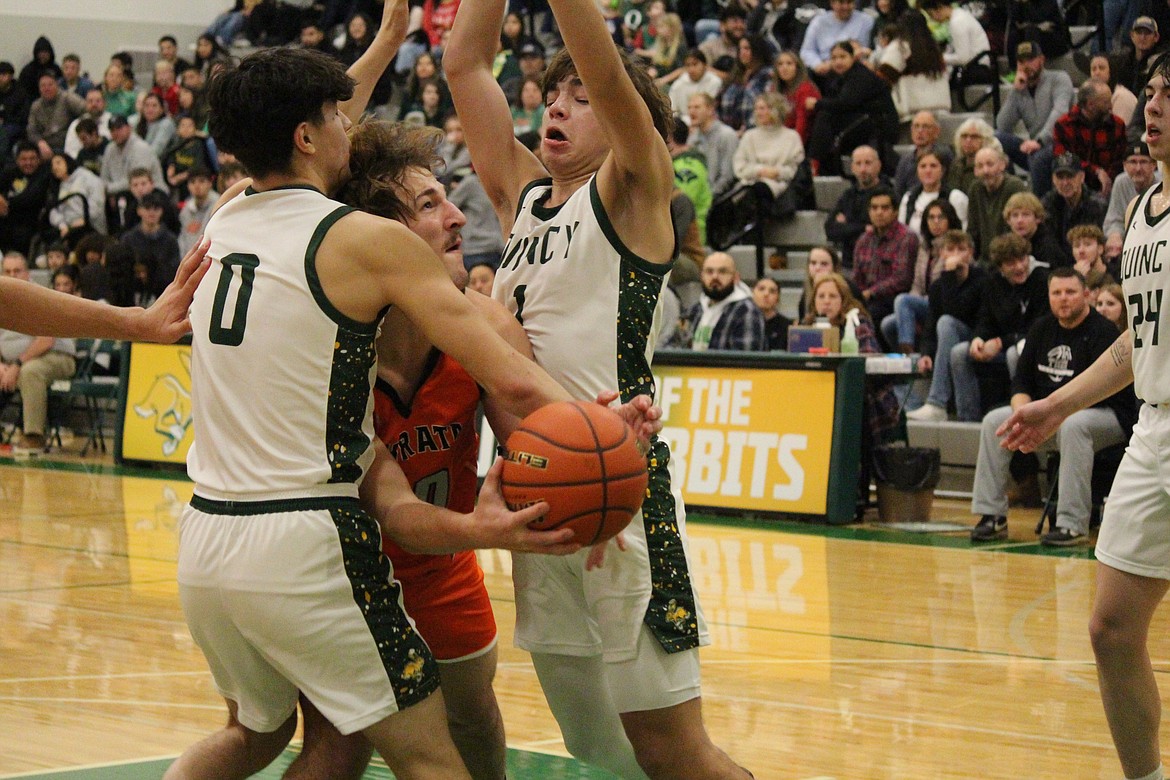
(14, 106)
(955, 299)
(849, 218)
(1015, 297)
(24, 189)
(1059, 346)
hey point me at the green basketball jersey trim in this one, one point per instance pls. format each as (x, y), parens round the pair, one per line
(408, 662)
(315, 281)
(354, 355)
(672, 612)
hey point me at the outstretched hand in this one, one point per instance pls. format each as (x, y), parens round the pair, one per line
(1029, 426)
(501, 528)
(166, 320)
(640, 414)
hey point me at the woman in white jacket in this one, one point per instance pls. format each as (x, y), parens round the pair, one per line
(769, 153)
(913, 64)
(68, 214)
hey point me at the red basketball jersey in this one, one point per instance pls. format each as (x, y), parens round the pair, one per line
(435, 442)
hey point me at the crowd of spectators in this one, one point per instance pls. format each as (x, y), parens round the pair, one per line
(942, 251)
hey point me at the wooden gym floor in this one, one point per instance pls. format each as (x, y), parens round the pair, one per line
(838, 652)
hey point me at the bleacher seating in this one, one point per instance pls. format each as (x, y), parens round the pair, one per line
(827, 190)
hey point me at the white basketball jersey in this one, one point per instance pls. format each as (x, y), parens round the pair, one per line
(588, 304)
(281, 381)
(1145, 276)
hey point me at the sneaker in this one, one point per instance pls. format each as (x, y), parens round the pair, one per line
(31, 444)
(989, 529)
(928, 412)
(1063, 537)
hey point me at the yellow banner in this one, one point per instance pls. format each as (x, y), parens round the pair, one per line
(749, 438)
(157, 425)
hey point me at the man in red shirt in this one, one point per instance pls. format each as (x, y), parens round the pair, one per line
(1091, 132)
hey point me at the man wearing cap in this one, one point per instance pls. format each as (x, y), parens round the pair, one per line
(1070, 202)
(1091, 132)
(1038, 98)
(1139, 175)
(1132, 64)
(530, 57)
(126, 152)
(14, 106)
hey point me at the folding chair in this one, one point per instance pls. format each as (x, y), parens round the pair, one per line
(90, 387)
(1105, 463)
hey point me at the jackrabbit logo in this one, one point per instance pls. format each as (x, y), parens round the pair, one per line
(168, 404)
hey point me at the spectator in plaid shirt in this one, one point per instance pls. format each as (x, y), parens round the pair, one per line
(726, 316)
(884, 256)
(1091, 132)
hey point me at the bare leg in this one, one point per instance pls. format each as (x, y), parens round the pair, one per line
(232, 752)
(327, 755)
(1119, 629)
(673, 743)
(473, 714)
(415, 743)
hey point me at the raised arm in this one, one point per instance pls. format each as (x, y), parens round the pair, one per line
(367, 263)
(373, 63)
(636, 179)
(504, 165)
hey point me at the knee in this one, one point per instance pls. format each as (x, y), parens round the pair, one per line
(960, 353)
(582, 745)
(1073, 429)
(473, 716)
(260, 748)
(1112, 637)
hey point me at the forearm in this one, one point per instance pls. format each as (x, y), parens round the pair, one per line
(473, 38)
(1110, 373)
(373, 63)
(30, 308)
(412, 524)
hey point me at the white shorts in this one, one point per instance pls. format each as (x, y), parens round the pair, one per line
(654, 679)
(296, 595)
(1135, 533)
(563, 609)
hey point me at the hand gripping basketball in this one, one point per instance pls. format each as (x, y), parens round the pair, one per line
(584, 461)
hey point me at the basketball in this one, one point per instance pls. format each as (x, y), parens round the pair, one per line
(584, 461)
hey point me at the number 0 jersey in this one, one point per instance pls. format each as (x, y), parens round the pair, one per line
(1145, 277)
(281, 380)
(434, 440)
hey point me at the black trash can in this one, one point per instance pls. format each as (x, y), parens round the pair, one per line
(906, 478)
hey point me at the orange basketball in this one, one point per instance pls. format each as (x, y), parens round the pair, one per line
(584, 461)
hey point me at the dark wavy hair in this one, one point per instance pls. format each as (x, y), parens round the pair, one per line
(948, 209)
(381, 155)
(256, 105)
